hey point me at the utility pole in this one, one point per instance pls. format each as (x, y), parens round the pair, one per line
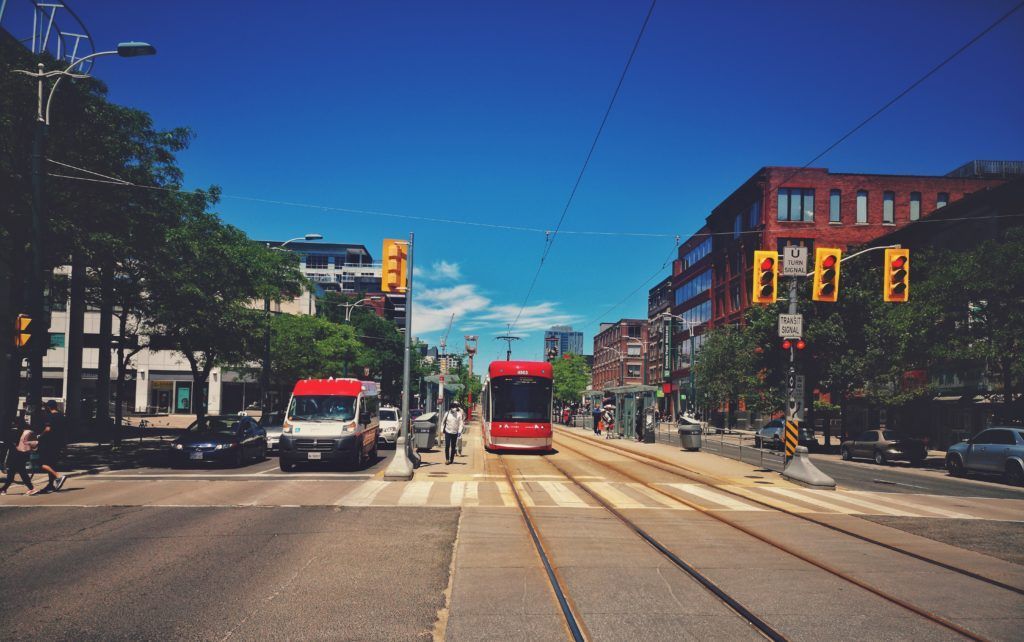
(401, 466)
(509, 338)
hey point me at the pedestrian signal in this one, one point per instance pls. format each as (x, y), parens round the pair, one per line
(394, 277)
(896, 277)
(826, 274)
(766, 277)
(22, 330)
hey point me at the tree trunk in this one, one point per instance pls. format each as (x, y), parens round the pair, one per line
(76, 337)
(199, 377)
(103, 361)
(119, 387)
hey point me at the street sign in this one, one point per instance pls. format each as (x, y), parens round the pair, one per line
(791, 326)
(794, 261)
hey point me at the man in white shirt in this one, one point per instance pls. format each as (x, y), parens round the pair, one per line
(452, 424)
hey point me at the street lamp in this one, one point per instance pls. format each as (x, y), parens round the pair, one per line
(35, 285)
(351, 306)
(265, 373)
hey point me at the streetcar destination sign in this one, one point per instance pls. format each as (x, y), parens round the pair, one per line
(791, 326)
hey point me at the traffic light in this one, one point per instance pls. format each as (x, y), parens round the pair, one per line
(22, 330)
(766, 277)
(896, 275)
(826, 274)
(394, 278)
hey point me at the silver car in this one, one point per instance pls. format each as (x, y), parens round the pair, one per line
(273, 423)
(994, 451)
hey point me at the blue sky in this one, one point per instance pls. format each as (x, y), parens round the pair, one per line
(484, 111)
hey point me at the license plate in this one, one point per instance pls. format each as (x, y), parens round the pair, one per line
(312, 456)
(196, 456)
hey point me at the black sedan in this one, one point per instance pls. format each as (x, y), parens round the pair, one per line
(226, 439)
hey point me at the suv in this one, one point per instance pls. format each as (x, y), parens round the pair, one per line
(995, 451)
(389, 425)
(772, 436)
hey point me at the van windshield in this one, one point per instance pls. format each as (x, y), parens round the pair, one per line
(322, 408)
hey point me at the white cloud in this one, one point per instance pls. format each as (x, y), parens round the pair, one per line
(439, 271)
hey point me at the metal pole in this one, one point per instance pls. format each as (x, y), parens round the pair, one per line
(401, 466)
(265, 374)
(36, 303)
(790, 409)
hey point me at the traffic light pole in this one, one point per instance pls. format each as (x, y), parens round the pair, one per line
(39, 342)
(401, 466)
(791, 417)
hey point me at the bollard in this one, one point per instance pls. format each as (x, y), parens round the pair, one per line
(802, 471)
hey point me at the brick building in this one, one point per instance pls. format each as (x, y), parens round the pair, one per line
(659, 301)
(781, 206)
(619, 352)
(691, 303)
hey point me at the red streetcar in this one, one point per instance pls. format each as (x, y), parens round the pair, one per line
(516, 404)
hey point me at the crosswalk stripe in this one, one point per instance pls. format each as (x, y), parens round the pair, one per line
(755, 493)
(810, 497)
(659, 498)
(614, 496)
(457, 492)
(472, 497)
(918, 507)
(415, 494)
(563, 497)
(715, 497)
(524, 494)
(505, 492)
(364, 494)
(872, 507)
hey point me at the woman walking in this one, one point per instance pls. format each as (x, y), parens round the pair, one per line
(18, 458)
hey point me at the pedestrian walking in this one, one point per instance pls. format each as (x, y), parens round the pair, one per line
(452, 425)
(596, 415)
(460, 441)
(51, 442)
(17, 460)
(638, 423)
(608, 419)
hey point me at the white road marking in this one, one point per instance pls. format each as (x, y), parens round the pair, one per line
(715, 497)
(814, 498)
(931, 509)
(364, 495)
(457, 492)
(658, 497)
(415, 493)
(873, 508)
(561, 494)
(614, 496)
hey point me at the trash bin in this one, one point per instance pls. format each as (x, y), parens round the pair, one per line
(689, 436)
(424, 431)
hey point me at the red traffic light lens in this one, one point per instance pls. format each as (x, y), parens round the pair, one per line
(801, 344)
(787, 344)
(767, 264)
(899, 262)
(830, 261)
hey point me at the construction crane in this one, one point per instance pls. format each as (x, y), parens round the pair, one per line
(443, 366)
(444, 339)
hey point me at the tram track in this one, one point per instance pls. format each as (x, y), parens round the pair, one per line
(702, 478)
(573, 621)
(932, 617)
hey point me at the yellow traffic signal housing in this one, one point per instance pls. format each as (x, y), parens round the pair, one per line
(896, 275)
(22, 330)
(826, 274)
(393, 277)
(766, 277)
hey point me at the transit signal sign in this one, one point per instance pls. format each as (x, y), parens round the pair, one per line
(896, 275)
(22, 330)
(826, 274)
(766, 277)
(394, 277)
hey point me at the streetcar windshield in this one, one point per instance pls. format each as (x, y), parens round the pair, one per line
(521, 399)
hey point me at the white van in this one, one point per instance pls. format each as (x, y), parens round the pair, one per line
(330, 420)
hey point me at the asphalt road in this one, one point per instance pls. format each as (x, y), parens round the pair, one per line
(856, 475)
(215, 573)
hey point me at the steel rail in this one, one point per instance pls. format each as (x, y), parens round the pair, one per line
(693, 475)
(937, 619)
(576, 629)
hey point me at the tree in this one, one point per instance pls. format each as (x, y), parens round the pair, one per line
(304, 347)
(571, 376)
(726, 368)
(202, 290)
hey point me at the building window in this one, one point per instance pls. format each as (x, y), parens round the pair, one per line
(888, 208)
(633, 350)
(833, 206)
(862, 206)
(737, 226)
(316, 261)
(755, 215)
(942, 200)
(915, 206)
(734, 295)
(796, 204)
(697, 253)
(693, 287)
(633, 331)
(633, 372)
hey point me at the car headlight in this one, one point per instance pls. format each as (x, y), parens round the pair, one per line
(178, 446)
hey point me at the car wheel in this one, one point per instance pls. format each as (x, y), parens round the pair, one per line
(880, 458)
(286, 467)
(955, 466)
(358, 459)
(1014, 474)
(844, 452)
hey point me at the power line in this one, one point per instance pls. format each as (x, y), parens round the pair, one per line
(656, 273)
(550, 240)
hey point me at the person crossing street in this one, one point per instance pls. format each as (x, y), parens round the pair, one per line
(452, 425)
(17, 460)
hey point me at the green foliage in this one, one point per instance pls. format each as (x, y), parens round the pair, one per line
(727, 369)
(571, 376)
(305, 347)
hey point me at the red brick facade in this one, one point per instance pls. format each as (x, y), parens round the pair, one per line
(613, 363)
(733, 244)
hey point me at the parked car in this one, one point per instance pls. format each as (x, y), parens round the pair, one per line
(884, 446)
(994, 451)
(273, 424)
(389, 425)
(772, 436)
(227, 439)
